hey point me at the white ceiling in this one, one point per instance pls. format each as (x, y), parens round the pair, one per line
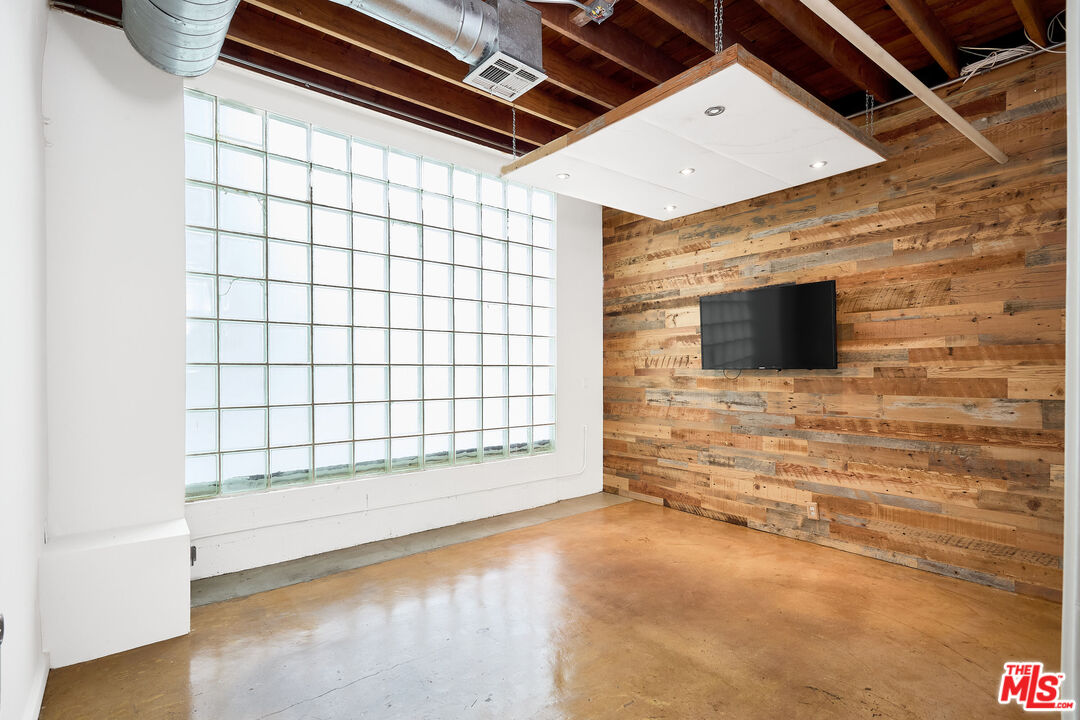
(764, 141)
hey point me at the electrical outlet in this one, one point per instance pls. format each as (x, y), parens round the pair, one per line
(811, 511)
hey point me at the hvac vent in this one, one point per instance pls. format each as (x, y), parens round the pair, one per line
(502, 75)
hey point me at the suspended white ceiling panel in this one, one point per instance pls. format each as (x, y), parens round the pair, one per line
(771, 135)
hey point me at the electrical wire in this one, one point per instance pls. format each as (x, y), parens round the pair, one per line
(993, 57)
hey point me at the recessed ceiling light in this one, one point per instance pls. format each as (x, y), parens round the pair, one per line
(714, 110)
(562, 176)
(687, 171)
(669, 208)
(818, 164)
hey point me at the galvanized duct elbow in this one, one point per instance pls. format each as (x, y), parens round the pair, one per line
(182, 37)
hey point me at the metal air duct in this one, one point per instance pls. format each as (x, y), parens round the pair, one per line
(182, 37)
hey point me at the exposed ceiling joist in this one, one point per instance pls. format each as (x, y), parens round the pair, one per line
(830, 45)
(925, 25)
(693, 19)
(1031, 15)
(578, 79)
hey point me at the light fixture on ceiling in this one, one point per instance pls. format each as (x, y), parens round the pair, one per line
(714, 110)
(687, 171)
(562, 176)
(818, 164)
(670, 208)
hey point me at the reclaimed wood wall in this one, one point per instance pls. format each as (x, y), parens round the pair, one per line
(938, 443)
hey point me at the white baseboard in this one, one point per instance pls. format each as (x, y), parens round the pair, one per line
(37, 690)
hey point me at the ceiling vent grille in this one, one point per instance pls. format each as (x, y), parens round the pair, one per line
(502, 75)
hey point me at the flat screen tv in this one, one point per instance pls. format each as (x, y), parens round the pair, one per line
(776, 327)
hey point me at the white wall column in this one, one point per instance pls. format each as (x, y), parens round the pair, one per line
(1070, 609)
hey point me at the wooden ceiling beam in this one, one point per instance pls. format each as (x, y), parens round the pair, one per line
(296, 43)
(693, 19)
(580, 80)
(1034, 21)
(613, 42)
(925, 25)
(830, 45)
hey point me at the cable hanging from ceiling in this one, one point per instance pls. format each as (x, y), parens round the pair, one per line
(718, 25)
(868, 112)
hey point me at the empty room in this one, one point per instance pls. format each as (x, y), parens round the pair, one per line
(540, 359)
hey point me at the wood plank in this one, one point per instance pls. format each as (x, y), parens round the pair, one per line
(1034, 21)
(925, 25)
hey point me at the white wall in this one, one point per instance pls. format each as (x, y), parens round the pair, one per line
(245, 531)
(114, 573)
(23, 666)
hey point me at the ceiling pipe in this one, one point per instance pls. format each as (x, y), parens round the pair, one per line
(182, 37)
(464, 28)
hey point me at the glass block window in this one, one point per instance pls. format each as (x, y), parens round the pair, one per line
(356, 310)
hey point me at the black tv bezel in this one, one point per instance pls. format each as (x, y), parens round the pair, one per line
(835, 351)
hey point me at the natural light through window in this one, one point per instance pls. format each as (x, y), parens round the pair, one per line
(356, 310)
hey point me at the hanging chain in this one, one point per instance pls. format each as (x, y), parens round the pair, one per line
(718, 25)
(869, 113)
(513, 130)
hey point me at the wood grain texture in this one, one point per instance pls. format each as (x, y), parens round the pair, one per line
(938, 442)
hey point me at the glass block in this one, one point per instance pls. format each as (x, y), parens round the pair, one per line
(290, 344)
(288, 261)
(240, 255)
(543, 409)
(467, 316)
(405, 275)
(543, 438)
(330, 187)
(287, 137)
(241, 168)
(289, 220)
(370, 383)
(467, 283)
(333, 462)
(437, 279)
(438, 416)
(242, 342)
(404, 417)
(467, 349)
(517, 228)
(492, 191)
(466, 216)
(520, 411)
(199, 159)
(495, 350)
(329, 149)
(543, 351)
(369, 234)
(369, 308)
(405, 239)
(521, 380)
(371, 346)
(405, 311)
(369, 457)
(288, 303)
(331, 345)
(290, 425)
(201, 476)
(368, 159)
(405, 453)
(466, 382)
(543, 380)
(494, 286)
(201, 386)
(243, 472)
(290, 466)
(403, 169)
(288, 178)
(290, 385)
(520, 319)
(520, 349)
(370, 271)
(201, 341)
(240, 299)
(493, 223)
(241, 212)
(371, 420)
(438, 450)
(240, 124)
(438, 348)
(466, 185)
(466, 414)
(201, 300)
(405, 347)
(494, 318)
(519, 289)
(199, 207)
(438, 313)
(543, 235)
(368, 196)
(404, 204)
(405, 382)
(494, 255)
(517, 197)
(543, 292)
(435, 177)
(332, 384)
(437, 245)
(198, 114)
(200, 250)
(201, 431)
(543, 204)
(466, 447)
(331, 306)
(333, 423)
(466, 249)
(543, 262)
(243, 385)
(495, 381)
(330, 227)
(543, 321)
(519, 441)
(494, 444)
(520, 258)
(243, 429)
(436, 209)
(438, 381)
(330, 266)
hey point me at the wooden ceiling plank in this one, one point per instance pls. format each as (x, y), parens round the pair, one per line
(572, 76)
(280, 37)
(925, 25)
(1031, 15)
(830, 45)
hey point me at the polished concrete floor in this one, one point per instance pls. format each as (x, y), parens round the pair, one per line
(631, 611)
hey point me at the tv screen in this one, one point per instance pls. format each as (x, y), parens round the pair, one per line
(776, 327)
